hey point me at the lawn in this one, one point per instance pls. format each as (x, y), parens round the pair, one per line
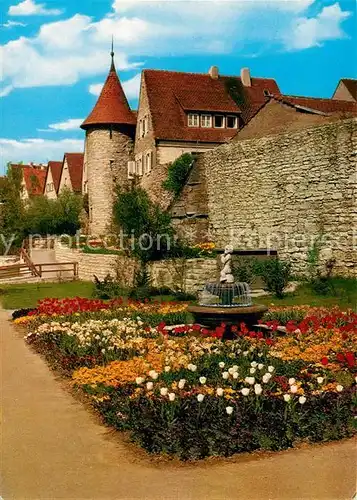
(343, 295)
(27, 294)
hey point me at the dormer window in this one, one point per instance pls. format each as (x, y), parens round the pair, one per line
(218, 121)
(206, 121)
(232, 121)
(193, 120)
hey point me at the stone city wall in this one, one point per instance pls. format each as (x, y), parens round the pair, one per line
(282, 191)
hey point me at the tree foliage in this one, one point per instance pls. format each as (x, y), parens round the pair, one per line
(177, 173)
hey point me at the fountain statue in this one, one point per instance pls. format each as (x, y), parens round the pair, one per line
(226, 301)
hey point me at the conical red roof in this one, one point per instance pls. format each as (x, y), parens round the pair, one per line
(112, 107)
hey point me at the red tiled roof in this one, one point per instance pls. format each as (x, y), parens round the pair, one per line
(112, 106)
(56, 169)
(323, 105)
(34, 179)
(75, 170)
(172, 94)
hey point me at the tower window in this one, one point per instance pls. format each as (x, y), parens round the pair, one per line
(218, 121)
(232, 121)
(193, 120)
(131, 169)
(148, 157)
(206, 121)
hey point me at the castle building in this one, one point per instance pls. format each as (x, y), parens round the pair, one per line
(177, 113)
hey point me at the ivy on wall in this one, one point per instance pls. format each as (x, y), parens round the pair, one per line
(178, 173)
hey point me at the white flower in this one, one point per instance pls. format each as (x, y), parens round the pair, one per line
(219, 391)
(153, 374)
(320, 380)
(235, 368)
(292, 381)
(287, 398)
(252, 370)
(225, 375)
(293, 388)
(200, 397)
(231, 371)
(182, 383)
(339, 388)
(172, 396)
(203, 380)
(149, 386)
(192, 367)
(250, 380)
(258, 389)
(229, 410)
(266, 377)
(103, 351)
(260, 366)
(139, 380)
(167, 369)
(245, 353)
(221, 364)
(302, 400)
(235, 375)
(245, 391)
(164, 391)
(271, 369)
(254, 364)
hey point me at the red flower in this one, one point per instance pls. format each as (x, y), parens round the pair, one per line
(324, 361)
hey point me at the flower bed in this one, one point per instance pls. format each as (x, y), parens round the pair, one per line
(185, 392)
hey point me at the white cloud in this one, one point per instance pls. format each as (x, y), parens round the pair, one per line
(95, 88)
(312, 32)
(12, 24)
(31, 8)
(131, 87)
(6, 90)
(37, 150)
(70, 124)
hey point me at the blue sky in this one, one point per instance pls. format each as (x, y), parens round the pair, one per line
(55, 55)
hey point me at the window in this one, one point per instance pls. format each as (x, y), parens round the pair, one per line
(219, 121)
(266, 92)
(193, 120)
(131, 169)
(232, 121)
(206, 121)
(148, 157)
(139, 166)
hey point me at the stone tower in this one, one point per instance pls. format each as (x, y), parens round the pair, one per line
(109, 144)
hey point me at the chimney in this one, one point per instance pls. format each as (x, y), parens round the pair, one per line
(213, 72)
(245, 77)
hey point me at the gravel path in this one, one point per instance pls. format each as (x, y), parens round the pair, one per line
(53, 448)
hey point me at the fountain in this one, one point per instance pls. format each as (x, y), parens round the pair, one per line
(226, 302)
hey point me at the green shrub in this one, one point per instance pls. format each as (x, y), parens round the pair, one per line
(177, 173)
(108, 288)
(244, 270)
(276, 275)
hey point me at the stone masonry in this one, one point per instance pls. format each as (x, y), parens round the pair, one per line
(282, 191)
(106, 159)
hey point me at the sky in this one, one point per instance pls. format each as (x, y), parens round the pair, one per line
(54, 56)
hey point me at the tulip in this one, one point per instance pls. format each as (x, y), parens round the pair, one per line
(202, 380)
(139, 380)
(254, 364)
(200, 397)
(172, 396)
(235, 368)
(182, 383)
(252, 370)
(225, 375)
(339, 388)
(320, 380)
(292, 381)
(260, 366)
(258, 389)
(302, 400)
(153, 374)
(245, 391)
(293, 388)
(219, 391)
(245, 353)
(235, 375)
(221, 364)
(192, 367)
(266, 377)
(167, 369)
(271, 369)
(149, 386)
(164, 391)
(287, 398)
(250, 380)
(229, 410)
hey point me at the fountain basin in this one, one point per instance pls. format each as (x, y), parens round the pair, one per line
(213, 316)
